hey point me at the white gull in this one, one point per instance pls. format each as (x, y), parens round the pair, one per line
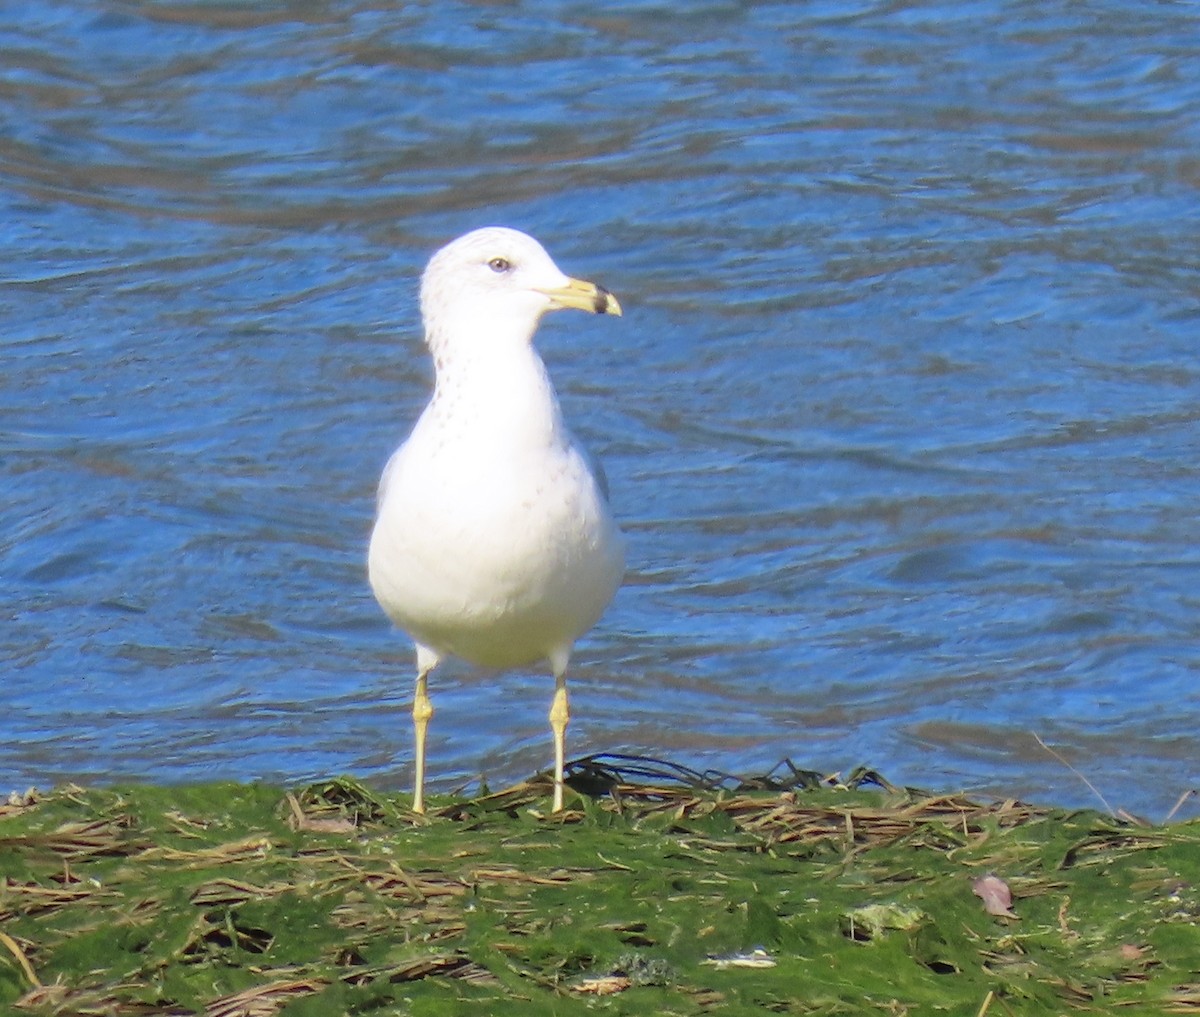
(493, 539)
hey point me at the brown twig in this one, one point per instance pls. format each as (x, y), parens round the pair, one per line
(1091, 786)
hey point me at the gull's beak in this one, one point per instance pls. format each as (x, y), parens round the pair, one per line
(583, 296)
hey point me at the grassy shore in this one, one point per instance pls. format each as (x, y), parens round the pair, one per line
(833, 897)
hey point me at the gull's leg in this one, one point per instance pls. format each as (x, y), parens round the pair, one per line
(421, 712)
(559, 716)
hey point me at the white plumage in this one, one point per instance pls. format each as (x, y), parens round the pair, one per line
(493, 539)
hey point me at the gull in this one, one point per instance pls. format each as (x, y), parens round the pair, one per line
(493, 539)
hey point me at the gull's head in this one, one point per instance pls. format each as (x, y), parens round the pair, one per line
(493, 285)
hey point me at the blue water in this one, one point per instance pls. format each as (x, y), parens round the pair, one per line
(901, 420)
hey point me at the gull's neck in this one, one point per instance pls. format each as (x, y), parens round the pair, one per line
(496, 389)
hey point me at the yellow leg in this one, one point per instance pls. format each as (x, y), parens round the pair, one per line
(559, 715)
(421, 712)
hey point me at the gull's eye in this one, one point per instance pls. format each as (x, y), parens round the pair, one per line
(500, 264)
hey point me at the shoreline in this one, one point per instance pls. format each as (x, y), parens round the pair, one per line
(228, 899)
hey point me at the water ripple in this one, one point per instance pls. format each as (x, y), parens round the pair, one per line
(900, 420)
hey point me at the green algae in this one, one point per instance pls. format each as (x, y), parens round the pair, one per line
(233, 900)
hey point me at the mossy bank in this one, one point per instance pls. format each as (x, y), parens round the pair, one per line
(233, 900)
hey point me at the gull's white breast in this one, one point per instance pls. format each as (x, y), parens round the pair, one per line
(493, 544)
